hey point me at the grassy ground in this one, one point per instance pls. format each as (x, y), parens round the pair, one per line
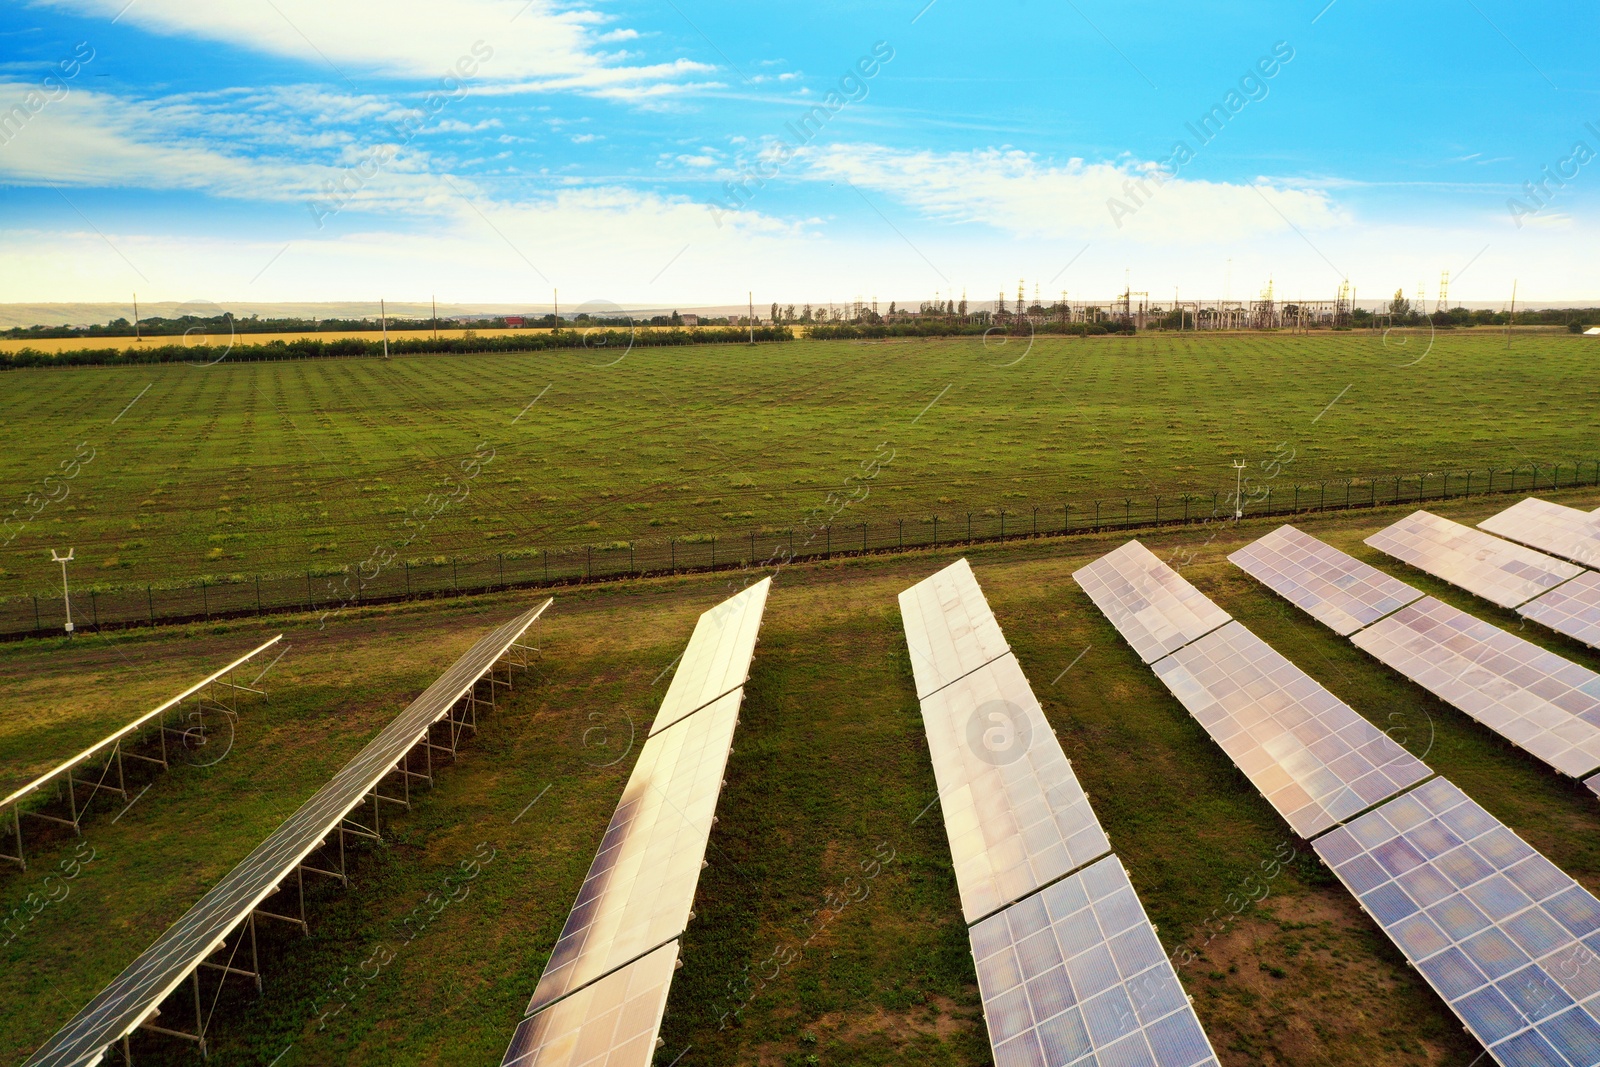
(829, 775)
(263, 467)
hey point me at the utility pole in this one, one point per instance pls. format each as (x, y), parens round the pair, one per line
(136, 337)
(555, 304)
(435, 300)
(752, 297)
(66, 598)
(1513, 316)
(383, 317)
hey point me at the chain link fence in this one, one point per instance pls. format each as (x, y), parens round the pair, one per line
(328, 590)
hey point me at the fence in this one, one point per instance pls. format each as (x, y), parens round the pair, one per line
(311, 591)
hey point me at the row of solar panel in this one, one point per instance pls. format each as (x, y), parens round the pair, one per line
(603, 993)
(1503, 936)
(1069, 967)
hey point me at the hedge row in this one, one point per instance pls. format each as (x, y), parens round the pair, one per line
(611, 341)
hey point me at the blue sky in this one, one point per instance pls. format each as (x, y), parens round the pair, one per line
(494, 150)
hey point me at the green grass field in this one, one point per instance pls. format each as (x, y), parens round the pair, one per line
(260, 468)
(830, 769)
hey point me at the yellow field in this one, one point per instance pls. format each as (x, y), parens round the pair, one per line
(62, 344)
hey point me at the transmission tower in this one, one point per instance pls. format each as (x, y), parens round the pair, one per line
(1444, 292)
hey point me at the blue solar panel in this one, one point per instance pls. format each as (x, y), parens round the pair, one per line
(1504, 936)
(1075, 975)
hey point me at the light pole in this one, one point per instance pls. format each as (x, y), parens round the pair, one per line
(57, 557)
(1238, 488)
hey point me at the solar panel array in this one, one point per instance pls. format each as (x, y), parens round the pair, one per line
(1561, 531)
(1073, 972)
(1539, 701)
(1149, 603)
(107, 746)
(1501, 572)
(950, 630)
(1572, 609)
(603, 992)
(1014, 811)
(1315, 760)
(135, 994)
(1332, 587)
(1076, 975)
(640, 887)
(717, 658)
(1499, 932)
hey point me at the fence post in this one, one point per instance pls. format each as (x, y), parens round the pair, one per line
(1269, 502)
(1158, 511)
(1322, 504)
(863, 539)
(1397, 489)
(1036, 522)
(37, 625)
(406, 564)
(1347, 483)
(94, 609)
(205, 600)
(1555, 479)
(502, 557)
(1296, 507)
(1066, 517)
(713, 553)
(150, 602)
(258, 596)
(672, 548)
(545, 552)
(1096, 505)
(588, 560)
(455, 580)
(1468, 493)
(902, 534)
(827, 541)
(1445, 495)
(1002, 525)
(969, 527)
(1127, 511)
(311, 604)
(752, 550)
(632, 568)
(1491, 481)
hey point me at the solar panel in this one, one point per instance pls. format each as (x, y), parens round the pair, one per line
(949, 627)
(1149, 603)
(135, 994)
(640, 887)
(717, 658)
(1572, 609)
(1561, 531)
(1331, 586)
(612, 1023)
(1501, 572)
(1076, 975)
(1498, 931)
(1013, 810)
(1545, 704)
(1315, 760)
(110, 745)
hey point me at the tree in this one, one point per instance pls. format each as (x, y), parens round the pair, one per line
(1400, 307)
(963, 308)
(891, 309)
(677, 319)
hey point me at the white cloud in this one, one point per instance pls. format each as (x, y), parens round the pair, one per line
(613, 243)
(1018, 192)
(541, 44)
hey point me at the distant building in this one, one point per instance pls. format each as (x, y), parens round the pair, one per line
(1593, 331)
(514, 321)
(690, 320)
